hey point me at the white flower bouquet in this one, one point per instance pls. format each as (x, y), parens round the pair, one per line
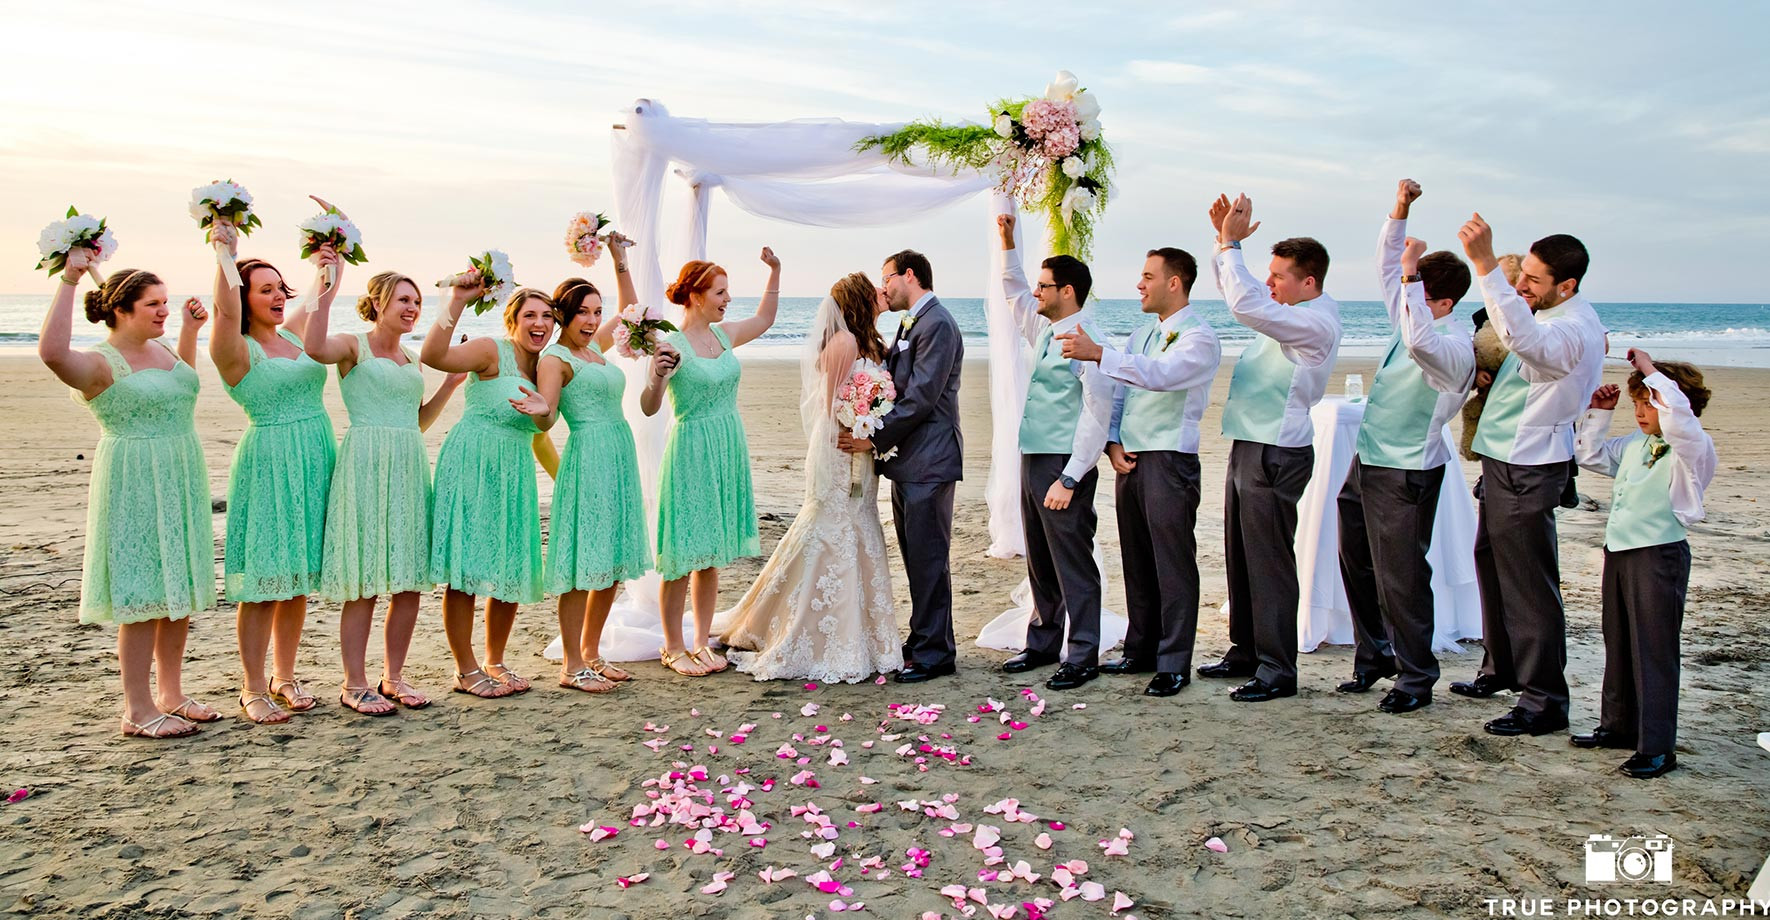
(491, 268)
(224, 201)
(76, 229)
(330, 226)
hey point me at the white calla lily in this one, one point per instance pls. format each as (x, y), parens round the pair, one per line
(1062, 88)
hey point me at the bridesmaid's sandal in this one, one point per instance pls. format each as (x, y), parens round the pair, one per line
(156, 728)
(587, 680)
(707, 658)
(682, 663)
(358, 698)
(192, 711)
(516, 682)
(270, 712)
(293, 694)
(601, 668)
(486, 688)
(405, 694)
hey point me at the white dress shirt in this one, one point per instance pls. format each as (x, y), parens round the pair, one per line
(1444, 352)
(1308, 334)
(1188, 364)
(1561, 355)
(1093, 422)
(1693, 455)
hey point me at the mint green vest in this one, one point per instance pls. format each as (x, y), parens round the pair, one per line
(1641, 501)
(1498, 429)
(1053, 399)
(1152, 419)
(1259, 392)
(1398, 418)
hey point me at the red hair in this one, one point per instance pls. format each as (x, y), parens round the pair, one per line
(696, 277)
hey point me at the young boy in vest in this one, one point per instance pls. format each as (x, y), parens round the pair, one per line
(1661, 472)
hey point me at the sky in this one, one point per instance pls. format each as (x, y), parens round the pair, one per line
(446, 127)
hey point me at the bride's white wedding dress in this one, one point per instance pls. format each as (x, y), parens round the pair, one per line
(821, 608)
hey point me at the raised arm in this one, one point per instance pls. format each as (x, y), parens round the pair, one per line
(82, 370)
(1309, 336)
(315, 329)
(443, 353)
(1014, 286)
(747, 330)
(195, 315)
(1680, 427)
(1593, 449)
(1551, 350)
(626, 297)
(227, 343)
(1446, 359)
(296, 320)
(1391, 242)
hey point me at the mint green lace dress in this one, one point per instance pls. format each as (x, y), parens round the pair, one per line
(378, 518)
(598, 531)
(485, 521)
(150, 549)
(706, 506)
(281, 474)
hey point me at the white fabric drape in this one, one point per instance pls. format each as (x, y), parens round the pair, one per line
(1008, 371)
(804, 171)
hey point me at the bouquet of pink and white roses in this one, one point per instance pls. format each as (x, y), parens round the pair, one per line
(861, 406)
(587, 234)
(60, 238)
(640, 331)
(224, 201)
(491, 268)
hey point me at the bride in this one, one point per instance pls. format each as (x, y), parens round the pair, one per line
(821, 608)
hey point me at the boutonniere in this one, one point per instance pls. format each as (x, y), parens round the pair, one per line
(1656, 448)
(909, 323)
(1170, 339)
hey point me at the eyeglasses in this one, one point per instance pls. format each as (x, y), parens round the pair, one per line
(889, 276)
(1046, 284)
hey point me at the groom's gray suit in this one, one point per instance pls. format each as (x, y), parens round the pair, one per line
(923, 427)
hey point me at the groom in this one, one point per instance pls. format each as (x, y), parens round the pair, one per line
(922, 453)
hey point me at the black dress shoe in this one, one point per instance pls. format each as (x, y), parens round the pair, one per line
(1227, 668)
(1647, 766)
(1069, 677)
(1259, 691)
(1127, 666)
(916, 673)
(1364, 680)
(1400, 701)
(1482, 687)
(1524, 722)
(1602, 738)
(1166, 683)
(1026, 661)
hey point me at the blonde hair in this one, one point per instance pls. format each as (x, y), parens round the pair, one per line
(513, 305)
(1512, 264)
(381, 290)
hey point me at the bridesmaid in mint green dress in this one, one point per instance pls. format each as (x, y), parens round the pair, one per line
(281, 473)
(598, 535)
(378, 515)
(149, 560)
(485, 537)
(706, 506)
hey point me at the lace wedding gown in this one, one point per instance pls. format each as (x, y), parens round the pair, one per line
(821, 608)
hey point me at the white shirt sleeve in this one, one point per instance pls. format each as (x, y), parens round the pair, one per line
(1307, 336)
(1021, 299)
(1693, 451)
(1592, 449)
(1549, 351)
(1190, 362)
(1446, 360)
(1093, 423)
(1391, 241)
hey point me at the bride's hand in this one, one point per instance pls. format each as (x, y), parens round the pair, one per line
(849, 444)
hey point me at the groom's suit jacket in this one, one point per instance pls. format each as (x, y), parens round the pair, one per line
(924, 424)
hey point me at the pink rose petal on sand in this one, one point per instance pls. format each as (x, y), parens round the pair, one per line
(823, 850)
(808, 710)
(880, 681)
(1004, 736)
(627, 880)
(986, 837)
(1093, 891)
(1080, 706)
(868, 808)
(811, 686)
(1115, 847)
(718, 883)
(1042, 841)
(1017, 725)
(661, 844)
(1120, 902)
(1058, 825)
(17, 796)
(1216, 845)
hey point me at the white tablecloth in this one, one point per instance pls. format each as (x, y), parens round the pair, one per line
(1324, 615)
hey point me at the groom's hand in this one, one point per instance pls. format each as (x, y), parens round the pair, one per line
(1005, 229)
(1057, 497)
(1122, 460)
(1079, 346)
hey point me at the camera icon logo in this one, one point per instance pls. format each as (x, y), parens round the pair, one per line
(1628, 859)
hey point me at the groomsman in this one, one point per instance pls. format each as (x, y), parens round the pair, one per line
(1398, 467)
(1165, 372)
(1062, 433)
(1277, 380)
(1525, 441)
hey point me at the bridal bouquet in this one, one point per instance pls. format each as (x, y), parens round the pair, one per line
(491, 268)
(1046, 152)
(229, 202)
(861, 406)
(586, 235)
(76, 229)
(640, 331)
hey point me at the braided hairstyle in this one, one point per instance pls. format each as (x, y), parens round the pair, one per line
(381, 291)
(118, 295)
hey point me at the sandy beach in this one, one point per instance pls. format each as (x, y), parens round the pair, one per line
(472, 808)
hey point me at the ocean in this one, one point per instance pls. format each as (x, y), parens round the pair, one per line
(1731, 335)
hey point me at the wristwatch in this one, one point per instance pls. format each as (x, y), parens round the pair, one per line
(1066, 482)
(1410, 279)
(1232, 244)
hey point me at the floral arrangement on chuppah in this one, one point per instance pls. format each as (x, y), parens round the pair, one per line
(1047, 152)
